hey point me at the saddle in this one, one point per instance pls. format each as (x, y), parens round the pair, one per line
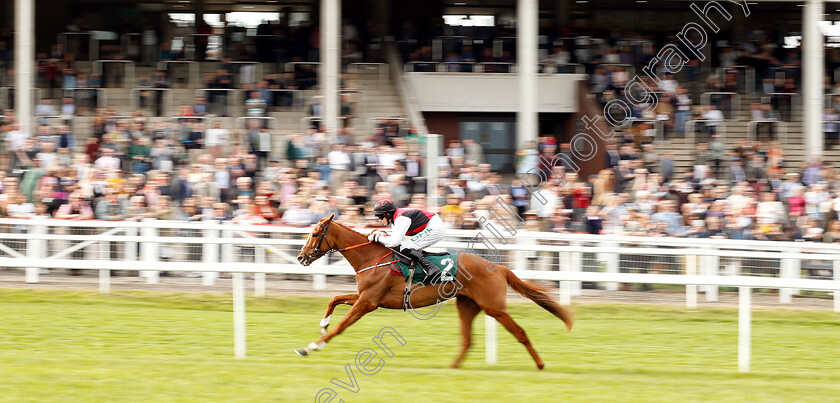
(407, 260)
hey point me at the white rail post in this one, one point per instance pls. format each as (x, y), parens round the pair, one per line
(490, 340)
(150, 252)
(104, 274)
(227, 248)
(612, 265)
(786, 271)
(210, 254)
(836, 279)
(577, 265)
(691, 289)
(239, 336)
(131, 246)
(35, 249)
(795, 270)
(565, 287)
(259, 278)
(319, 282)
(712, 268)
(744, 328)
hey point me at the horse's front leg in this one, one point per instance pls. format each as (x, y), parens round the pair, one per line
(361, 307)
(348, 299)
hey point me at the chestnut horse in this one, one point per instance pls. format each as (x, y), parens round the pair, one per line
(480, 289)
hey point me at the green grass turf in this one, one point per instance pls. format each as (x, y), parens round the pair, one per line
(74, 346)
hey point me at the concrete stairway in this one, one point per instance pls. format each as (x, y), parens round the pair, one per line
(735, 130)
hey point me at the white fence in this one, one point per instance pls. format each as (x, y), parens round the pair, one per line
(570, 259)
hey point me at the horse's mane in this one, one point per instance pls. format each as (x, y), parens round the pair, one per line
(356, 233)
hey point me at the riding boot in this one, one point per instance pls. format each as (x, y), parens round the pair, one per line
(433, 273)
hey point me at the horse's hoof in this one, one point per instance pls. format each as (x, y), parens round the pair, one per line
(323, 331)
(540, 366)
(301, 352)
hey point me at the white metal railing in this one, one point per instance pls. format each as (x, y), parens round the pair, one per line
(167, 100)
(7, 97)
(40, 243)
(494, 67)
(291, 67)
(266, 121)
(829, 99)
(128, 79)
(429, 67)
(512, 254)
(213, 94)
(734, 103)
(658, 129)
(99, 94)
(565, 68)
(795, 103)
(628, 69)
(63, 39)
(745, 72)
(295, 98)
(690, 134)
(781, 126)
(307, 122)
(374, 121)
(457, 67)
(68, 120)
(192, 71)
(381, 68)
(358, 99)
(128, 41)
(252, 77)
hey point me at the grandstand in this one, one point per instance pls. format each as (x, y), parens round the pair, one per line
(199, 102)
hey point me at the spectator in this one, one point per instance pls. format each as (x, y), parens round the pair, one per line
(297, 214)
(76, 208)
(111, 208)
(667, 214)
(714, 117)
(216, 139)
(255, 105)
(831, 127)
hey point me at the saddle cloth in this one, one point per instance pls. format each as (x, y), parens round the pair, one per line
(448, 262)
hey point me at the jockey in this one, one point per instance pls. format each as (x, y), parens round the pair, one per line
(413, 231)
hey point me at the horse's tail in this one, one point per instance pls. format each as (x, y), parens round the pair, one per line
(540, 296)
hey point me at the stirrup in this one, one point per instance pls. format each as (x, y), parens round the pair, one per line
(407, 291)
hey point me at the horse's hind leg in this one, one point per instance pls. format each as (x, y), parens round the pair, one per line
(348, 299)
(467, 310)
(505, 319)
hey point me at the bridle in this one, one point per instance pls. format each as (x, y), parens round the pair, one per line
(316, 252)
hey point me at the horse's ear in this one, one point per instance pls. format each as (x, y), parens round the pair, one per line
(330, 218)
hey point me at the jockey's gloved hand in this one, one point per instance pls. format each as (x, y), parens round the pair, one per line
(375, 235)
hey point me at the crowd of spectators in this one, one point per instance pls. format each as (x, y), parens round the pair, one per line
(196, 169)
(130, 170)
(741, 191)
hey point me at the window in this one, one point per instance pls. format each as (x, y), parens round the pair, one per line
(497, 139)
(460, 20)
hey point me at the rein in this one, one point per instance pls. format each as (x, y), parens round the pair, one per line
(378, 264)
(352, 247)
(314, 253)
